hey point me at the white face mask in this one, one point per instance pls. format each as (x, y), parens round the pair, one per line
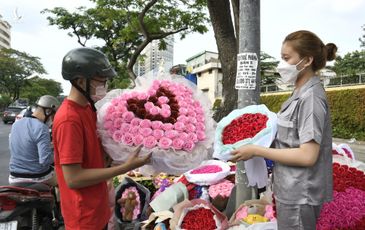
(288, 73)
(100, 92)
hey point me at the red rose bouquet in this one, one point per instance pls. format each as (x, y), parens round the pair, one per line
(167, 115)
(197, 214)
(253, 124)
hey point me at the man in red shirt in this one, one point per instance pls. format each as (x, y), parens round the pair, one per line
(79, 156)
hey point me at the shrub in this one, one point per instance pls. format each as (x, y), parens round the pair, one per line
(347, 109)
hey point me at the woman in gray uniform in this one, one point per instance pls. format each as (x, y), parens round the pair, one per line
(303, 145)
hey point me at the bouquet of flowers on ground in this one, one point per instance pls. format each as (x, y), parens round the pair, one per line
(131, 202)
(254, 124)
(197, 214)
(166, 114)
(347, 209)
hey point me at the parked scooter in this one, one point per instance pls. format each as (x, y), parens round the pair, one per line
(29, 206)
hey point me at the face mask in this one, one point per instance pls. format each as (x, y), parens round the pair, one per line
(288, 73)
(100, 92)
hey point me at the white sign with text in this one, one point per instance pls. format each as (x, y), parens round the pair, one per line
(246, 71)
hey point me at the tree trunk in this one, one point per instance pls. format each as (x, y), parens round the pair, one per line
(220, 15)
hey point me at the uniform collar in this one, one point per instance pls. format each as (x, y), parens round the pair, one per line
(298, 92)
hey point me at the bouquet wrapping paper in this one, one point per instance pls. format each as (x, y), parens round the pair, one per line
(167, 114)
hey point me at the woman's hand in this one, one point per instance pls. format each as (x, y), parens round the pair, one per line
(243, 153)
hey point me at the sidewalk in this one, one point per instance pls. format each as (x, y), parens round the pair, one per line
(358, 147)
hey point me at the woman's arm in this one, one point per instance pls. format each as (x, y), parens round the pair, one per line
(306, 155)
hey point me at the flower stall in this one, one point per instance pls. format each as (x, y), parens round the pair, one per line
(191, 178)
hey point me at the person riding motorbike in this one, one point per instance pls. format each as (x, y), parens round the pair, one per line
(31, 154)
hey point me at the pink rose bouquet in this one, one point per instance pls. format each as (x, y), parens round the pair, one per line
(167, 115)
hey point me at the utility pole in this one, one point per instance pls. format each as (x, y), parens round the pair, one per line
(247, 79)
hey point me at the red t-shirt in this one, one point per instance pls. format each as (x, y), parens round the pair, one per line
(76, 142)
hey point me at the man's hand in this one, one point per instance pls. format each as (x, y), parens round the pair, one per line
(134, 161)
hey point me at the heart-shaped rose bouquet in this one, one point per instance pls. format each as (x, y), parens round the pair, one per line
(166, 114)
(254, 124)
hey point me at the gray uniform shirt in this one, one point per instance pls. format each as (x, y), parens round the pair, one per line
(304, 117)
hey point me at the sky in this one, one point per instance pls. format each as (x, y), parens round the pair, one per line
(337, 21)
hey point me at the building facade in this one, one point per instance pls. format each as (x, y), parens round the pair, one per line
(208, 70)
(5, 36)
(154, 59)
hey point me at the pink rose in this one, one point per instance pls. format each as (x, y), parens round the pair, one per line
(182, 118)
(158, 133)
(135, 121)
(193, 137)
(192, 120)
(134, 130)
(128, 116)
(171, 134)
(179, 126)
(164, 143)
(165, 112)
(108, 124)
(154, 110)
(182, 104)
(108, 117)
(142, 96)
(188, 145)
(127, 139)
(149, 105)
(177, 143)
(125, 127)
(200, 135)
(191, 113)
(165, 83)
(190, 128)
(183, 135)
(165, 106)
(151, 92)
(196, 104)
(149, 142)
(110, 109)
(145, 131)
(117, 123)
(183, 111)
(167, 126)
(117, 136)
(200, 118)
(117, 115)
(199, 110)
(113, 102)
(145, 123)
(121, 109)
(137, 139)
(156, 124)
(163, 100)
(200, 126)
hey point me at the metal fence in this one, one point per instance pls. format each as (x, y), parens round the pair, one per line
(339, 81)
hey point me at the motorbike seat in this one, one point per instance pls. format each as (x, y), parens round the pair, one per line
(41, 187)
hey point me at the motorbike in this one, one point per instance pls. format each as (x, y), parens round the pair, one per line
(29, 206)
